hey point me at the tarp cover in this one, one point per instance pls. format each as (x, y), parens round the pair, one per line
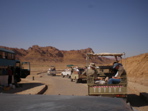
(105, 54)
(70, 65)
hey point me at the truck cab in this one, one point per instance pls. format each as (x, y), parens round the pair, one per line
(22, 70)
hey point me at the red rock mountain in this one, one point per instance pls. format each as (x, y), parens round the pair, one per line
(42, 57)
(37, 54)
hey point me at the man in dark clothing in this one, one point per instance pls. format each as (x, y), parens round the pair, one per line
(10, 73)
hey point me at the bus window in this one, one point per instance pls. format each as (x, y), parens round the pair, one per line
(6, 55)
(25, 65)
(12, 56)
(9, 56)
(17, 64)
(1, 54)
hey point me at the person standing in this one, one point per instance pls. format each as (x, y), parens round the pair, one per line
(10, 73)
(92, 71)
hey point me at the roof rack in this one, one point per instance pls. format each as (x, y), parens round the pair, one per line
(105, 54)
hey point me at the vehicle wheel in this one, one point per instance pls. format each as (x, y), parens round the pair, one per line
(77, 80)
(80, 81)
(125, 99)
(53, 74)
(133, 109)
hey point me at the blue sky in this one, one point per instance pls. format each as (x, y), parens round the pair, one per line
(104, 25)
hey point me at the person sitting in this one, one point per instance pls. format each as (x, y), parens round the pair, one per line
(119, 74)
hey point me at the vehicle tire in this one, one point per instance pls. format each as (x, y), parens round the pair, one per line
(53, 74)
(125, 99)
(133, 109)
(67, 75)
(76, 80)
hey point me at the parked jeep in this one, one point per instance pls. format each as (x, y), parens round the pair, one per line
(105, 89)
(67, 73)
(52, 71)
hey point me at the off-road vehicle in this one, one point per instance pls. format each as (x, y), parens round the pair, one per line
(112, 90)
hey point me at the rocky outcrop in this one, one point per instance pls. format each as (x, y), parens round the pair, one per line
(37, 54)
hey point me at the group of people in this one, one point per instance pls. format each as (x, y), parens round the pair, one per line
(120, 73)
(118, 67)
(7, 71)
(13, 74)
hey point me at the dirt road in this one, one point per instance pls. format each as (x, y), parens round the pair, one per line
(63, 86)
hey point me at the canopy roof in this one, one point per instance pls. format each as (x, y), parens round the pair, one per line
(70, 65)
(5, 50)
(105, 54)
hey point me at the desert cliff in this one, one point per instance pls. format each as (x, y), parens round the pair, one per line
(137, 68)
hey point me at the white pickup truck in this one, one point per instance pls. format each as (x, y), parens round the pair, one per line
(66, 73)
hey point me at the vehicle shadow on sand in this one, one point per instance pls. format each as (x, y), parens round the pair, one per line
(136, 100)
(21, 87)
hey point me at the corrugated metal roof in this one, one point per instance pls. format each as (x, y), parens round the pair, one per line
(6, 50)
